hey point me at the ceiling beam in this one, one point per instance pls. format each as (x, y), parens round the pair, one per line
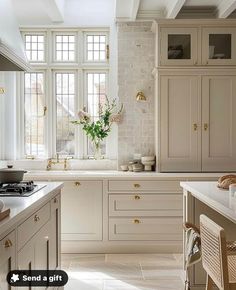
(127, 10)
(54, 9)
(173, 9)
(134, 9)
(226, 7)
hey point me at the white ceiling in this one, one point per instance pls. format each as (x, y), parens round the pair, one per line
(105, 12)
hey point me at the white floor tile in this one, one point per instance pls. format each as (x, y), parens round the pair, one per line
(74, 284)
(104, 270)
(139, 258)
(123, 271)
(143, 285)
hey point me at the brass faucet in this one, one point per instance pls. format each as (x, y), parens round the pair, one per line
(52, 162)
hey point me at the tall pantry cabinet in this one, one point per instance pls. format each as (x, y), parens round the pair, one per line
(195, 74)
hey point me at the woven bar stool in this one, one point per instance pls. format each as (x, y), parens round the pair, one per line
(218, 256)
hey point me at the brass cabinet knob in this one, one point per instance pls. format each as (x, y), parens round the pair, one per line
(36, 218)
(137, 197)
(205, 126)
(137, 185)
(136, 221)
(77, 183)
(195, 126)
(8, 243)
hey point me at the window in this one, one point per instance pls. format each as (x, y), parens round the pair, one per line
(34, 47)
(96, 47)
(65, 102)
(34, 114)
(71, 76)
(65, 47)
(96, 97)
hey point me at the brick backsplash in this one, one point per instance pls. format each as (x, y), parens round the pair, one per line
(135, 65)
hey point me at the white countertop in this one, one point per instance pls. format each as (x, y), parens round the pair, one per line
(214, 197)
(105, 174)
(23, 206)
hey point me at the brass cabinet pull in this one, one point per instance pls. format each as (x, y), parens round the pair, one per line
(206, 126)
(137, 197)
(8, 243)
(195, 126)
(45, 110)
(77, 183)
(36, 218)
(107, 52)
(136, 185)
(136, 221)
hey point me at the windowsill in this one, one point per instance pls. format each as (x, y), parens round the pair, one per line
(72, 164)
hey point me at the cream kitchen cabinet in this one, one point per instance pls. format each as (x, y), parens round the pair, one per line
(195, 43)
(82, 213)
(179, 46)
(218, 123)
(55, 236)
(145, 210)
(8, 258)
(219, 46)
(196, 122)
(35, 254)
(180, 147)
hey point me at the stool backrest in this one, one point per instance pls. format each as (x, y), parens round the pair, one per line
(214, 256)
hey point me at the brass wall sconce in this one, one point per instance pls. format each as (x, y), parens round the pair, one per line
(2, 90)
(140, 97)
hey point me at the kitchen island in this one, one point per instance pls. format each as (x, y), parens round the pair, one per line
(30, 236)
(206, 198)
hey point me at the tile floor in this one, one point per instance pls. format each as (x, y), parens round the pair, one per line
(123, 271)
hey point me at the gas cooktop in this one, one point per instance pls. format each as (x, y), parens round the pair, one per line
(24, 188)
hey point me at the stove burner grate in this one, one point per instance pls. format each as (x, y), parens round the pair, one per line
(21, 187)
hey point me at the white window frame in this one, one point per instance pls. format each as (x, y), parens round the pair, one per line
(54, 107)
(37, 32)
(76, 51)
(85, 101)
(45, 117)
(88, 33)
(50, 67)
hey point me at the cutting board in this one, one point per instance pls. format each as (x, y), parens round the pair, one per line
(4, 213)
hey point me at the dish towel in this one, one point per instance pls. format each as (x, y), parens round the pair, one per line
(192, 248)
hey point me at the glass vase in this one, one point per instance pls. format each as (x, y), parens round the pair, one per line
(97, 151)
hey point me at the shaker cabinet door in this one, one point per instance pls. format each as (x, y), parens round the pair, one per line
(81, 210)
(180, 132)
(218, 123)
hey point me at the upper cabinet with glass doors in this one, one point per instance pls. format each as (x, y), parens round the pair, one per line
(179, 46)
(218, 46)
(197, 44)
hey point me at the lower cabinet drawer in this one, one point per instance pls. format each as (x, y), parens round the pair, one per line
(149, 229)
(29, 227)
(146, 205)
(144, 185)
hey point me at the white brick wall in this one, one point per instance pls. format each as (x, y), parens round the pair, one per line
(135, 65)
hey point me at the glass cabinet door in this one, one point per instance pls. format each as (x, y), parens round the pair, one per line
(218, 46)
(179, 46)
